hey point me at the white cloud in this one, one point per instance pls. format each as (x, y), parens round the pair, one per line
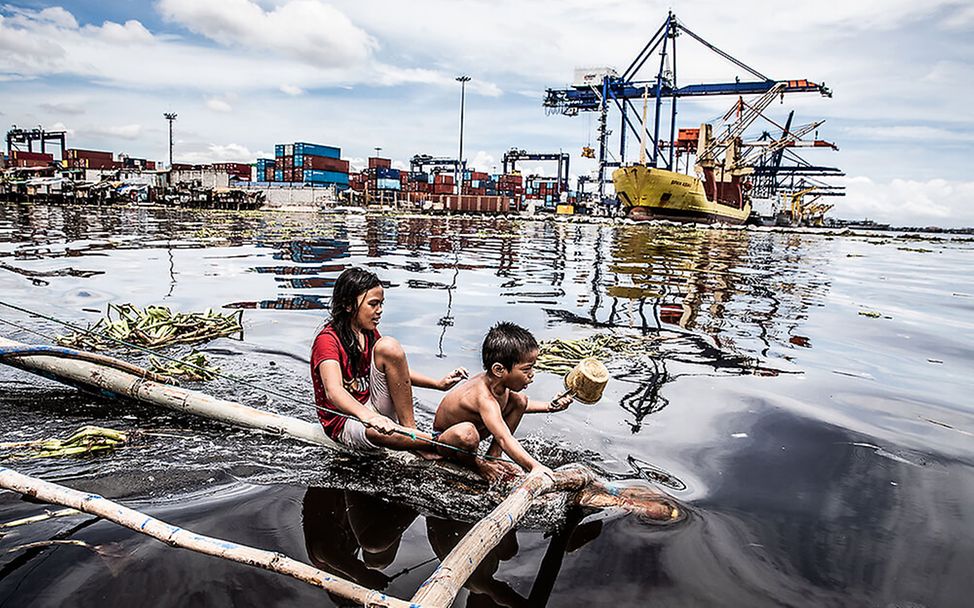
(132, 131)
(130, 32)
(908, 202)
(909, 133)
(215, 153)
(63, 107)
(218, 105)
(292, 90)
(308, 30)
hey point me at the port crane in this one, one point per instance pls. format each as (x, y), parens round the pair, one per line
(512, 156)
(599, 90)
(419, 163)
(17, 138)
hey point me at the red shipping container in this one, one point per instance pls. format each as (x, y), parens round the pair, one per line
(376, 162)
(326, 164)
(21, 155)
(88, 154)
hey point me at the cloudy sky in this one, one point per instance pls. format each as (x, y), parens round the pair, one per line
(246, 74)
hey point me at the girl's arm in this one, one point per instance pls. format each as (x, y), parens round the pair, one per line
(331, 377)
(443, 384)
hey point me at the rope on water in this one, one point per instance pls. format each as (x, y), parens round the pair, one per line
(60, 351)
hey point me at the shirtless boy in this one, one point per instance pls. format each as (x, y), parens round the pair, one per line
(491, 405)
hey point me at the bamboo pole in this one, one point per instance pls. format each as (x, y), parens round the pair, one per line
(441, 588)
(186, 539)
(130, 385)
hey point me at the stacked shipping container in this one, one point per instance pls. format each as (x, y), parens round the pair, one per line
(88, 159)
(308, 163)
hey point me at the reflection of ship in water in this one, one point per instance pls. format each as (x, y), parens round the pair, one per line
(358, 536)
(315, 251)
(299, 302)
(683, 290)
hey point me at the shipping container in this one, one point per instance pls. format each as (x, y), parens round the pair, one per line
(388, 184)
(375, 162)
(279, 151)
(38, 156)
(387, 173)
(305, 149)
(326, 177)
(477, 204)
(278, 175)
(325, 163)
(76, 153)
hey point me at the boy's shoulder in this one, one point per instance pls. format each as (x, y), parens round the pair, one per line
(478, 390)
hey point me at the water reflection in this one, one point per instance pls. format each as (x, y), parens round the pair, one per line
(352, 534)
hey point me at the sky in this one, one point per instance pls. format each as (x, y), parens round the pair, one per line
(243, 75)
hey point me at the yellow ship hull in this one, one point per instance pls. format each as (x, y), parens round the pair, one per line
(651, 193)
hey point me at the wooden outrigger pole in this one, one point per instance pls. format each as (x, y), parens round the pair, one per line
(439, 591)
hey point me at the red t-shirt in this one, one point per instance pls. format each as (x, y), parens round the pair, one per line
(327, 347)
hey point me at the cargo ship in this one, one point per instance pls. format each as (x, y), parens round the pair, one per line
(717, 194)
(653, 193)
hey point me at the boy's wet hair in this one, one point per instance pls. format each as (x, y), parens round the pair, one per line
(508, 344)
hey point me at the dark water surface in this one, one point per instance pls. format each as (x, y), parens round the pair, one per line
(825, 455)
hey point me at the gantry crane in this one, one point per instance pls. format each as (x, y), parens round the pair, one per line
(420, 162)
(512, 156)
(598, 90)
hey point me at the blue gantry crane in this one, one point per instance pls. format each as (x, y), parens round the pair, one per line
(601, 89)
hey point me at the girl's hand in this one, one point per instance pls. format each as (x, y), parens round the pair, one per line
(453, 378)
(382, 424)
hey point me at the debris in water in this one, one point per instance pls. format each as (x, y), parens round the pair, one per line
(85, 440)
(193, 367)
(560, 356)
(154, 326)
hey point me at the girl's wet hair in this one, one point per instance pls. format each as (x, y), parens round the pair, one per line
(508, 344)
(344, 306)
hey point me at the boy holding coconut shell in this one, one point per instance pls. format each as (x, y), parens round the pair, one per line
(491, 405)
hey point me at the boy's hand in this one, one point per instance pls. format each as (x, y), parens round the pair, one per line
(561, 402)
(497, 470)
(543, 470)
(453, 378)
(382, 424)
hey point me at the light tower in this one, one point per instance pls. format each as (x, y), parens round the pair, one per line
(171, 117)
(463, 80)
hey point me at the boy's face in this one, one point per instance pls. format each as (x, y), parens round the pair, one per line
(522, 373)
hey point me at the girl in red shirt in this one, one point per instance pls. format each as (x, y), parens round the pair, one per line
(365, 376)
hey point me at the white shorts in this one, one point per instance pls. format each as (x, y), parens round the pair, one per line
(353, 433)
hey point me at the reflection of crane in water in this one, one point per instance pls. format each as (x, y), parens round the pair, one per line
(647, 398)
(447, 319)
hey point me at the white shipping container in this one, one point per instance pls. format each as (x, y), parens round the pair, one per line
(288, 149)
(592, 77)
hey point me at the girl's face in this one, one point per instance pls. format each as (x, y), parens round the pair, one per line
(369, 310)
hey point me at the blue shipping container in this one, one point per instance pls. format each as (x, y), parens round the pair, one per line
(316, 150)
(388, 184)
(319, 176)
(386, 173)
(278, 175)
(279, 151)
